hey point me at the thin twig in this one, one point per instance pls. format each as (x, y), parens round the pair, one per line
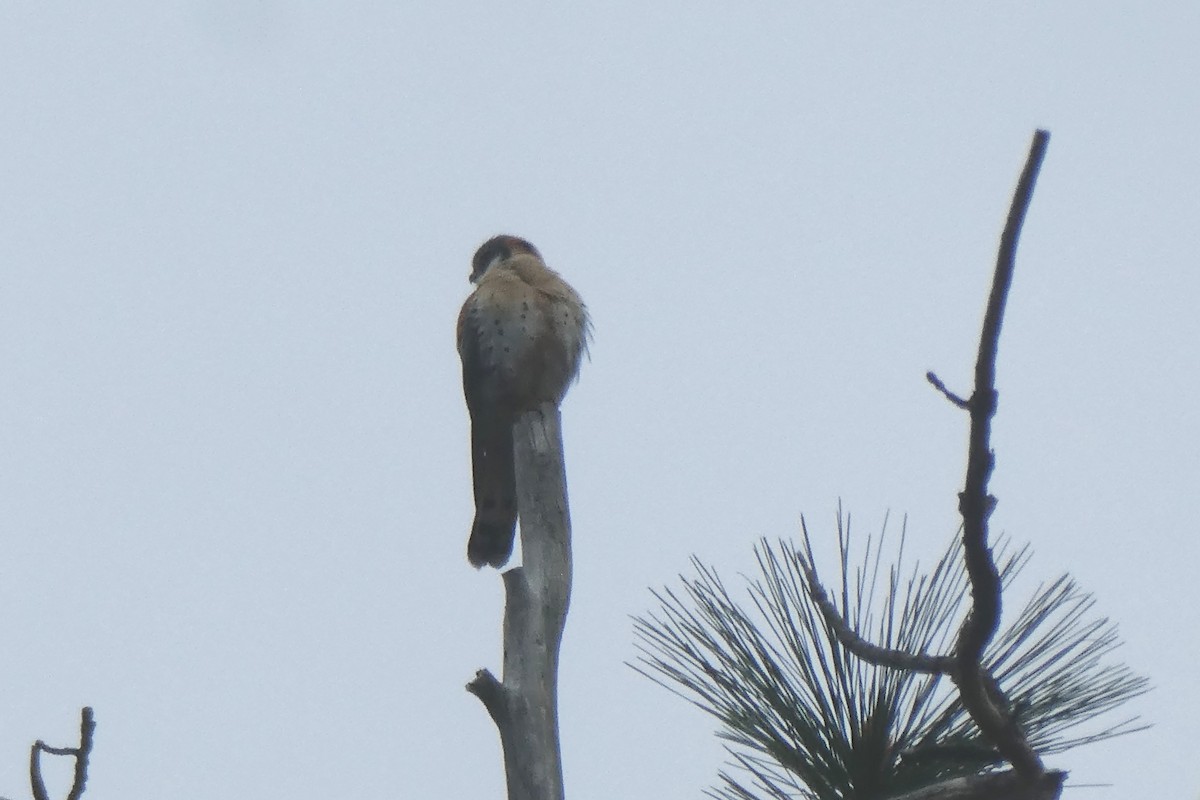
(886, 656)
(856, 644)
(949, 395)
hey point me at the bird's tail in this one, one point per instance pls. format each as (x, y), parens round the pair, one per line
(495, 524)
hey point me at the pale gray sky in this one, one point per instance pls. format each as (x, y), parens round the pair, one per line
(234, 236)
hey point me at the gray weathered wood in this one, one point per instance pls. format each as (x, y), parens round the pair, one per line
(524, 704)
(1006, 785)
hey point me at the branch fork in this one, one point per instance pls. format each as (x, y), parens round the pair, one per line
(87, 728)
(980, 693)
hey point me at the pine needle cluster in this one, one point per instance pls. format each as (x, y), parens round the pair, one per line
(805, 719)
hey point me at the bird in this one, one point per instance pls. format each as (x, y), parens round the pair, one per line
(522, 334)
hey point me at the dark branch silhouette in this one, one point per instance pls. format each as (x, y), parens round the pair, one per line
(941, 387)
(87, 727)
(975, 504)
(856, 644)
(980, 693)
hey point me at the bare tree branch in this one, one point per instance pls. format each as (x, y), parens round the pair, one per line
(491, 694)
(975, 504)
(856, 644)
(949, 395)
(87, 727)
(981, 694)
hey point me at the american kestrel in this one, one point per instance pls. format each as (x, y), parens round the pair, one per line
(521, 336)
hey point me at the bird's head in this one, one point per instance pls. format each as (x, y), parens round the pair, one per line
(497, 249)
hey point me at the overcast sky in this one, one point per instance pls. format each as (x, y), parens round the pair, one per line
(234, 469)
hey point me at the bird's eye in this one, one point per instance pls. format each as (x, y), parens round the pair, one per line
(488, 256)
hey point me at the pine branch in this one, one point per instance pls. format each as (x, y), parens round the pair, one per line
(976, 504)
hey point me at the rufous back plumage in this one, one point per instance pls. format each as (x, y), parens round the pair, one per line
(521, 336)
